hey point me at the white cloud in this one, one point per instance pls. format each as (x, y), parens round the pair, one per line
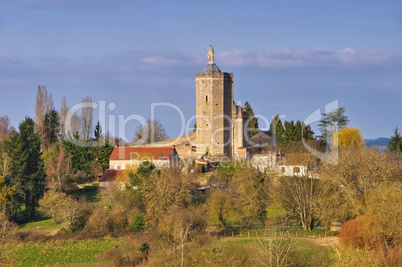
(8, 58)
(319, 57)
(309, 58)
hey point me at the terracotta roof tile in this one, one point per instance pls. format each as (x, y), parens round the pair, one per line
(156, 153)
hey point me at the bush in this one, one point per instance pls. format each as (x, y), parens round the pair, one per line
(138, 223)
(361, 232)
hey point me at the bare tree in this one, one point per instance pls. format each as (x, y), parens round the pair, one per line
(4, 127)
(87, 117)
(43, 105)
(298, 195)
(63, 116)
(150, 132)
(274, 248)
(180, 226)
(62, 208)
(58, 166)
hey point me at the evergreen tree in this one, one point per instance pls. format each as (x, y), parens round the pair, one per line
(332, 122)
(277, 129)
(98, 132)
(26, 173)
(51, 128)
(395, 143)
(291, 133)
(253, 121)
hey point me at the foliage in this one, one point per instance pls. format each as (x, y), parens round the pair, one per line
(62, 208)
(252, 120)
(347, 185)
(26, 173)
(361, 232)
(358, 257)
(4, 127)
(113, 213)
(395, 143)
(349, 137)
(8, 230)
(181, 226)
(138, 222)
(57, 165)
(290, 133)
(225, 170)
(332, 122)
(277, 129)
(98, 131)
(90, 160)
(250, 189)
(6, 194)
(144, 170)
(298, 196)
(150, 132)
(51, 129)
(220, 205)
(164, 190)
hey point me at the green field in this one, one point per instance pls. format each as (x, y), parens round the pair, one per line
(60, 252)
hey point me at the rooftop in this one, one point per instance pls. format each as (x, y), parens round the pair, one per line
(211, 68)
(152, 153)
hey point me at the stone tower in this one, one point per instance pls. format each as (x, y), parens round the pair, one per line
(214, 108)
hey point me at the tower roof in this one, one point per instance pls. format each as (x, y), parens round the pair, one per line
(211, 68)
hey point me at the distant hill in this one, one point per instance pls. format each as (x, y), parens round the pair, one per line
(380, 141)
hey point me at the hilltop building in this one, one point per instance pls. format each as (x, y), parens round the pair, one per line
(221, 124)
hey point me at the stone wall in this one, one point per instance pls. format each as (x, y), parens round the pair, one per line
(214, 98)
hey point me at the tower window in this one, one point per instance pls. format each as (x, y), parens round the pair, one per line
(206, 98)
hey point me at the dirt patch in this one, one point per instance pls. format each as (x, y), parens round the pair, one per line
(329, 241)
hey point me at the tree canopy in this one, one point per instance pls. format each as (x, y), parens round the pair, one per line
(332, 122)
(349, 137)
(26, 172)
(395, 143)
(253, 121)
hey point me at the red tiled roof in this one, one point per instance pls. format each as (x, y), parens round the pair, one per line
(110, 175)
(126, 153)
(297, 159)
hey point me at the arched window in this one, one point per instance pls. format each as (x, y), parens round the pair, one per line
(206, 98)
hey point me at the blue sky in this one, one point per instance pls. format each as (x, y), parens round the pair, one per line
(288, 57)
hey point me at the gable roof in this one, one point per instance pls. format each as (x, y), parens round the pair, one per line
(261, 134)
(156, 153)
(297, 159)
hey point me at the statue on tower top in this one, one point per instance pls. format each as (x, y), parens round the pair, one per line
(211, 55)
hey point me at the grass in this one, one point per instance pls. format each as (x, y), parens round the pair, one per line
(91, 193)
(307, 253)
(41, 226)
(61, 252)
(241, 251)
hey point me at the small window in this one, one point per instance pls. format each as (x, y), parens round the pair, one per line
(206, 98)
(296, 170)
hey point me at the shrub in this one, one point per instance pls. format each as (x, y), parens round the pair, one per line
(138, 223)
(361, 232)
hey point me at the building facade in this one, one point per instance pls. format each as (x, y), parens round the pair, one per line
(220, 124)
